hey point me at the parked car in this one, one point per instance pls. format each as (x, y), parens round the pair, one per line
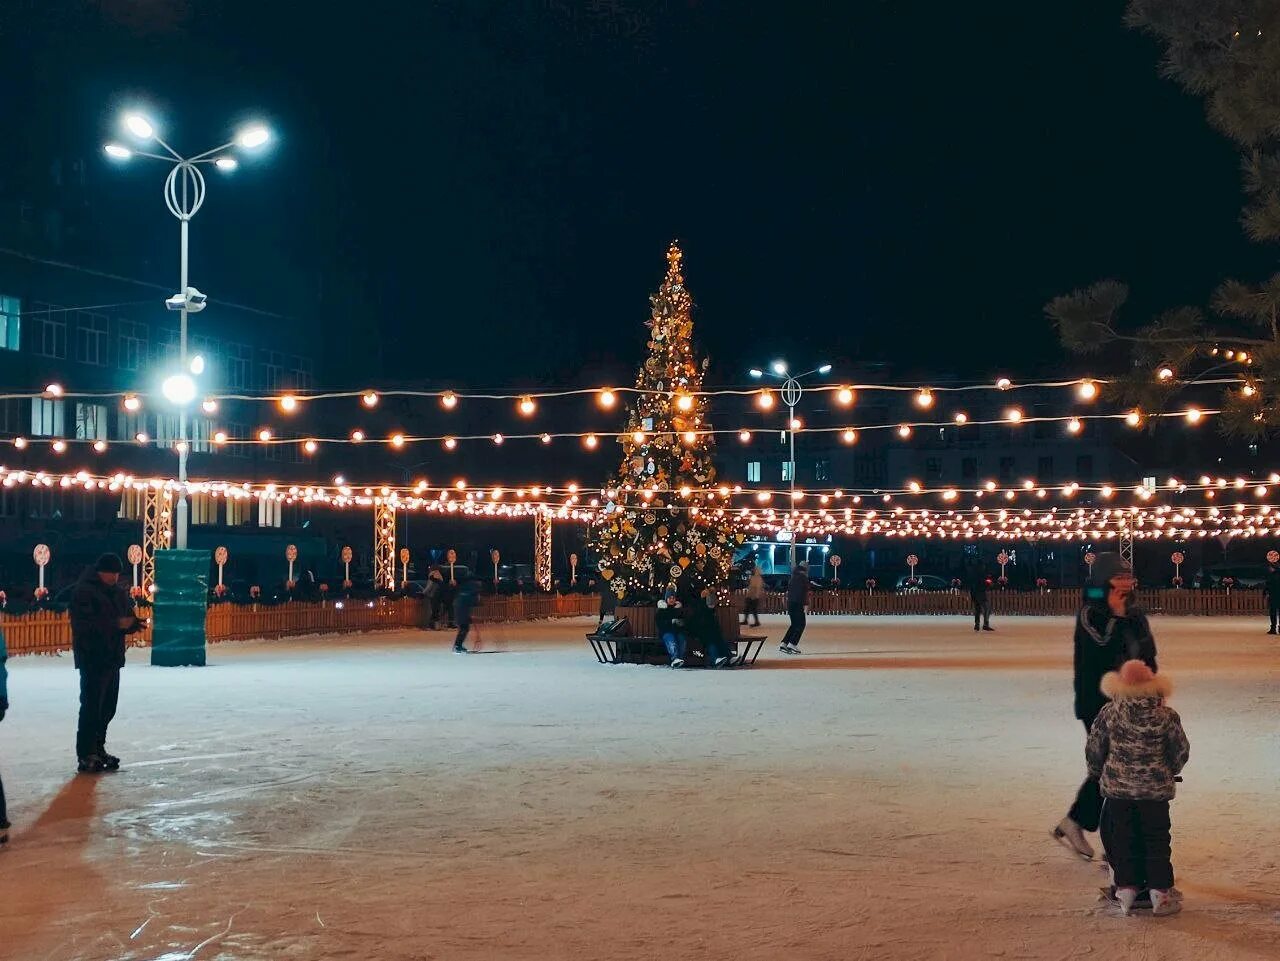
(921, 582)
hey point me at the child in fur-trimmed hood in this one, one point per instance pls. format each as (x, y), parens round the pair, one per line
(1136, 749)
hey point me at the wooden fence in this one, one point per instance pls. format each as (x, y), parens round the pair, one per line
(47, 632)
(1030, 603)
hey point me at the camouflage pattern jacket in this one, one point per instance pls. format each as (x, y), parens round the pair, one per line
(1137, 746)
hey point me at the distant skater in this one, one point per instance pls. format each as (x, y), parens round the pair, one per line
(463, 606)
(797, 598)
(978, 588)
(755, 594)
(1272, 590)
(1110, 629)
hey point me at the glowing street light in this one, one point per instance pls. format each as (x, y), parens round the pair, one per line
(184, 193)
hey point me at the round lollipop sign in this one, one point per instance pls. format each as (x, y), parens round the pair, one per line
(135, 553)
(291, 555)
(1177, 557)
(346, 566)
(41, 554)
(1273, 557)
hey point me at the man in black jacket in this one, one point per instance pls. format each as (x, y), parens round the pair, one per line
(101, 616)
(981, 600)
(1272, 590)
(1110, 629)
(797, 598)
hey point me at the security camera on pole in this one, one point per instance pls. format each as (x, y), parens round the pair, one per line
(181, 642)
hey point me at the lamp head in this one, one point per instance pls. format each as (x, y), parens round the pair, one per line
(139, 125)
(824, 369)
(179, 389)
(253, 135)
(226, 164)
(117, 152)
(756, 372)
(780, 367)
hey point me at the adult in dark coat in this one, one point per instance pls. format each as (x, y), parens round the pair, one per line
(797, 598)
(101, 617)
(978, 587)
(464, 603)
(608, 603)
(4, 707)
(1272, 590)
(704, 625)
(1110, 629)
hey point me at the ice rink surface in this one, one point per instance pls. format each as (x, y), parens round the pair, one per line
(887, 794)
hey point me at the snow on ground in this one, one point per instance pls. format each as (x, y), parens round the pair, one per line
(888, 794)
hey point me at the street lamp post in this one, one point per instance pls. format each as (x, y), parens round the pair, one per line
(792, 390)
(184, 191)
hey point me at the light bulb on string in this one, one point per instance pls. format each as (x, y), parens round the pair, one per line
(849, 435)
(59, 446)
(606, 398)
(357, 436)
(310, 446)
(369, 399)
(638, 437)
(1087, 390)
(744, 436)
(764, 400)
(288, 403)
(264, 435)
(132, 402)
(99, 446)
(684, 402)
(1004, 383)
(140, 437)
(397, 440)
(498, 439)
(1013, 415)
(1074, 425)
(962, 418)
(904, 431)
(590, 441)
(1133, 418)
(449, 400)
(210, 406)
(1193, 415)
(450, 443)
(527, 406)
(844, 396)
(220, 437)
(546, 438)
(924, 398)
(1166, 373)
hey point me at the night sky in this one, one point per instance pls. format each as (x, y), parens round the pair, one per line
(491, 186)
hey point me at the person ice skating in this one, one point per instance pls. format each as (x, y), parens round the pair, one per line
(1136, 750)
(4, 709)
(432, 594)
(1110, 629)
(1272, 589)
(670, 622)
(463, 605)
(979, 586)
(101, 617)
(797, 598)
(450, 592)
(755, 593)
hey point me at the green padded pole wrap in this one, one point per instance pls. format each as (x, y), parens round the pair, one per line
(182, 590)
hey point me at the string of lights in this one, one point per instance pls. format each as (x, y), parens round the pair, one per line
(1015, 416)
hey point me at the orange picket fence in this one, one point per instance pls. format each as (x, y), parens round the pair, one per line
(47, 632)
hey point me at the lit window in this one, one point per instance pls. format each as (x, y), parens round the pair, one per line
(48, 417)
(10, 322)
(788, 470)
(753, 472)
(91, 421)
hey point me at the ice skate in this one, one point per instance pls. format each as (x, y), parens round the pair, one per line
(987, 627)
(109, 761)
(459, 649)
(1165, 903)
(4, 833)
(1126, 898)
(677, 662)
(1068, 833)
(721, 661)
(90, 765)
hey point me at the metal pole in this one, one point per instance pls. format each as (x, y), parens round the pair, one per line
(182, 411)
(791, 434)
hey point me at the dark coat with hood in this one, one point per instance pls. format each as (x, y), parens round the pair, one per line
(1271, 586)
(97, 640)
(798, 586)
(468, 597)
(1137, 746)
(1104, 641)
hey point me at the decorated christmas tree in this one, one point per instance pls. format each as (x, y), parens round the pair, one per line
(664, 523)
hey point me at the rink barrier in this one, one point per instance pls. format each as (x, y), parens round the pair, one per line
(49, 632)
(1065, 603)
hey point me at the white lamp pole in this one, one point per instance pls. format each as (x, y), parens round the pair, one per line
(184, 191)
(792, 391)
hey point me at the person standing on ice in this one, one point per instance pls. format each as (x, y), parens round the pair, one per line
(1272, 589)
(1136, 750)
(101, 616)
(755, 594)
(463, 605)
(797, 598)
(978, 587)
(1110, 629)
(4, 709)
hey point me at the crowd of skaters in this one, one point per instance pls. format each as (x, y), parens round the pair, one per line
(1135, 744)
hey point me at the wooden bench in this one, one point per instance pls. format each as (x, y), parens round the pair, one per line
(649, 649)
